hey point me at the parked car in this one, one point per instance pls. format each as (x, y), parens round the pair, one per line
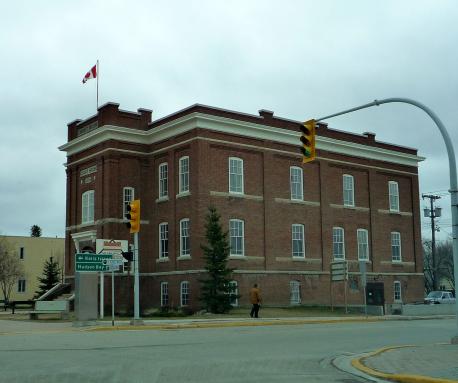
(435, 297)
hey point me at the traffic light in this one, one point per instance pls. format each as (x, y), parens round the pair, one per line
(308, 141)
(133, 215)
(129, 257)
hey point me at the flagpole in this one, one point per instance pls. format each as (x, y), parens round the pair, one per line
(98, 75)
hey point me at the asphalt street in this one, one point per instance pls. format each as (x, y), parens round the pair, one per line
(231, 354)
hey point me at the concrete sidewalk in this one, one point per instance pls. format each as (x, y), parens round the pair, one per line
(103, 325)
(436, 363)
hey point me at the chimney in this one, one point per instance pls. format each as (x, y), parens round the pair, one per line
(370, 136)
(266, 114)
(146, 115)
(71, 131)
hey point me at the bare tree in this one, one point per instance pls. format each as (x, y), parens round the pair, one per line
(444, 264)
(444, 253)
(11, 269)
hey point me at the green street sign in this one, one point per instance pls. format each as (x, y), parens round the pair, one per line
(95, 267)
(89, 262)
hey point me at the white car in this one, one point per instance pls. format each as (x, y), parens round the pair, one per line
(435, 297)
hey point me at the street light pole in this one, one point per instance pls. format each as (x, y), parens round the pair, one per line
(452, 169)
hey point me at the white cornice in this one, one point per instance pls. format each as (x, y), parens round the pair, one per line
(234, 127)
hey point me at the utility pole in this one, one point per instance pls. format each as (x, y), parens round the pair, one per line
(433, 213)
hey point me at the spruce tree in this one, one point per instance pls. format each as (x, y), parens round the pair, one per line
(35, 231)
(50, 278)
(216, 290)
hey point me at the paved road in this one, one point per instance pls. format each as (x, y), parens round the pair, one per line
(240, 354)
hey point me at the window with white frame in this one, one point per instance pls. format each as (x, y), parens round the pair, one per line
(393, 191)
(397, 291)
(185, 249)
(396, 246)
(363, 244)
(296, 183)
(183, 170)
(164, 293)
(235, 175)
(295, 292)
(127, 198)
(21, 286)
(237, 237)
(87, 215)
(234, 292)
(163, 240)
(184, 293)
(338, 243)
(297, 237)
(348, 190)
(163, 180)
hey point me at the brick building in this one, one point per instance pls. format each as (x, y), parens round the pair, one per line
(359, 200)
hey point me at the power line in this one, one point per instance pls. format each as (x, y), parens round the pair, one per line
(443, 192)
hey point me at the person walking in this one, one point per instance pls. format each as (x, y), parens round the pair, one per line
(255, 298)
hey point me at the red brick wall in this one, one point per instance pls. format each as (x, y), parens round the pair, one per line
(266, 210)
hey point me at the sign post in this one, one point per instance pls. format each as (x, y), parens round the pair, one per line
(112, 297)
(108, 246)
(339, 272)
(114, 264)
(362, 270)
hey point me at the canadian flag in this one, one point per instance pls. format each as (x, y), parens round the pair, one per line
(91, 74)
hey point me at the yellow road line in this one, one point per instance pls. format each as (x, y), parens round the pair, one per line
(170, 326)
(358, 363)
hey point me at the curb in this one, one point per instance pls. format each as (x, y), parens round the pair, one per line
(176, 326)
(402, 378)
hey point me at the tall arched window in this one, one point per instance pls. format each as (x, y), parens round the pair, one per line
(296, 183)
(87, 214)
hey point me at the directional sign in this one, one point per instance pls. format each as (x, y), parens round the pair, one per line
(114, 247)
(110, 246)
(89, 262)
(340, 277)
(338, 266)
(339, 271)
(113, 262)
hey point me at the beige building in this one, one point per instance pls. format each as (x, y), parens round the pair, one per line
(33, 252)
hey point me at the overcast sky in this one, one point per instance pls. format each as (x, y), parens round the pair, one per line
(301, 59)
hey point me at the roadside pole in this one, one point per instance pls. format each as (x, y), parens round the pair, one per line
(101, 295)
(331, 292)
(345, 292)
(136, 280)
(453, 177)
(362, 270)
(112, 297)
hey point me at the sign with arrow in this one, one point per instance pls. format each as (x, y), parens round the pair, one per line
(90, 262)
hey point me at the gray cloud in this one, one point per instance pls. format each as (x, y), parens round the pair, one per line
(301, 59)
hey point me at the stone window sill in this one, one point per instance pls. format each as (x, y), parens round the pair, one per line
(184, 194)
(183, 257)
